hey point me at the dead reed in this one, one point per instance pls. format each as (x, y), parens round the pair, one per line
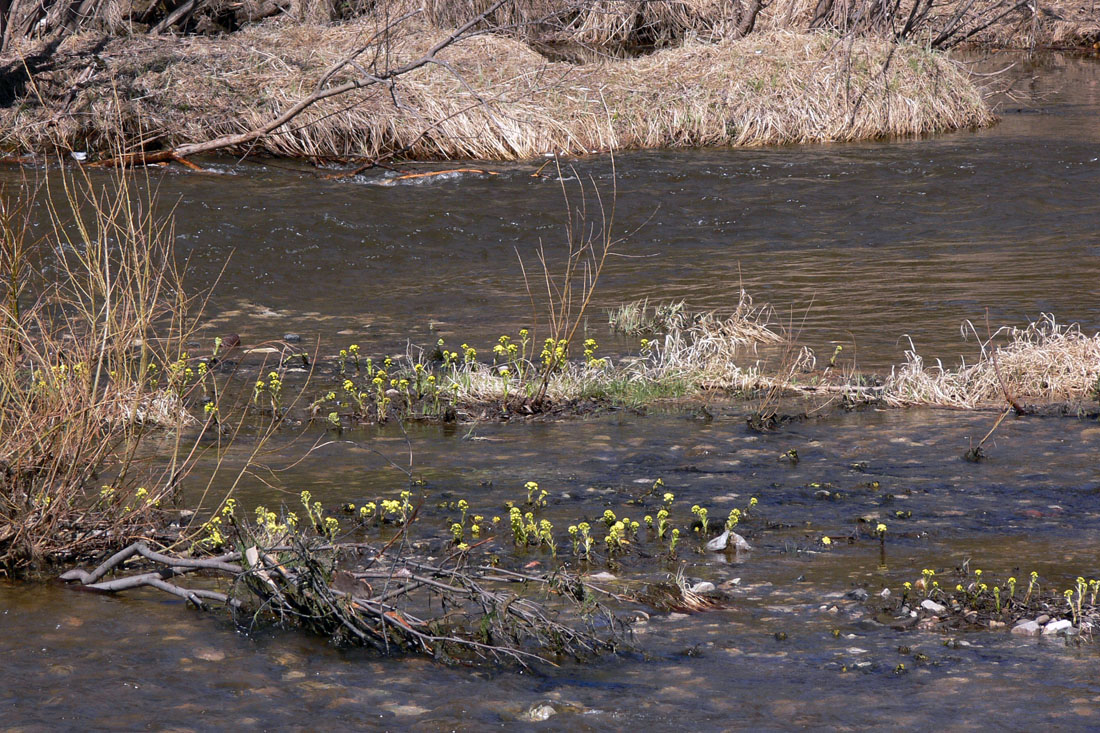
(102, 410)
(493, 98)
(1043, 362)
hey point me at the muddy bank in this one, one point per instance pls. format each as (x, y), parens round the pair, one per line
(494, 98)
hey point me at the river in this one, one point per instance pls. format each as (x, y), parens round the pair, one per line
(858, 244)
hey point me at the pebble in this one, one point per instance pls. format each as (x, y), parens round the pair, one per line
(885, 593)
(292, 338)
(1026, 628)
(1042, 619)
(405, 711)
(703, 587)
(859, 594)
(604, 575)
(932, 607)
(541, 712)
(1061, 626)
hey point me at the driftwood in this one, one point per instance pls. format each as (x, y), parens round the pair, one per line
(444, 609)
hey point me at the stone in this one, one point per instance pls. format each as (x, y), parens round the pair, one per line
(1027, 628)
(1061, 626)
(540, 712)
(405, 711)
(995, 624)
(703, 587)
(601, 576)
(885, 593)
(858, 594)
(932, 607)
(292, 338)
(1041, 620)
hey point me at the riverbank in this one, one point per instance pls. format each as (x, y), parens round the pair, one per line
(491, 98)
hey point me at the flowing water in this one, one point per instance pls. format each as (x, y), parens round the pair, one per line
(855, 244)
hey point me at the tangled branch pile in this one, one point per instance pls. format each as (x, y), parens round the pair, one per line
(391, 601)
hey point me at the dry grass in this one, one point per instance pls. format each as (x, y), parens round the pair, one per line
(1059, 23)
(641, 318)
(96, 389)
(497, 100)
(587, 29)
(91, 364)
(1044, 362)
(703, 352)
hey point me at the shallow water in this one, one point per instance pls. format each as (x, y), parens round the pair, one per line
(862, 243)
(99, 661)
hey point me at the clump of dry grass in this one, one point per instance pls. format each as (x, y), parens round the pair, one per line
(1043, 362)
(700, 352)
(494, 99)
(92, 362)
(639, 317)
(97, 389)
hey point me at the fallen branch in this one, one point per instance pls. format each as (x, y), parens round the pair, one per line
(321, 92)
(296, 579)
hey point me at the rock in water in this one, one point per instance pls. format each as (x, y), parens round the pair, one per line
(1061, 626)
(541, 712)
(719, 543)
(932, 607)
(1026, 628)
(723, 542)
